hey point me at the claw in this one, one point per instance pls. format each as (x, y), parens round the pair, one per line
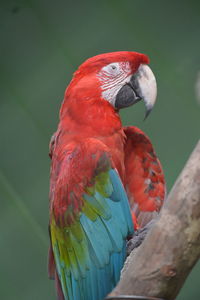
(139, 236)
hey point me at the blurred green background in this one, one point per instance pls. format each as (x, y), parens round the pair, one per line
(42, 44)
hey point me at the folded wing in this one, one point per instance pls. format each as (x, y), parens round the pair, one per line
(89, 221)
(145, 183)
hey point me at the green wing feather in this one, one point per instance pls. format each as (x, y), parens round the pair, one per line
(89, 252)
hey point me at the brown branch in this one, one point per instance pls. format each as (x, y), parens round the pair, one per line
(159, 267)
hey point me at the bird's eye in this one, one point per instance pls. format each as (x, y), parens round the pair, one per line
(112, 69)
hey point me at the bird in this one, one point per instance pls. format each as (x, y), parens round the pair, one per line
(105, 179)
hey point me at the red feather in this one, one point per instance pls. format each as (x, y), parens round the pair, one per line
(145, 183)
(85, 115)
(51, 264)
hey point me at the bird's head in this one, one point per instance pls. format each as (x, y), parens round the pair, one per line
(121, 78)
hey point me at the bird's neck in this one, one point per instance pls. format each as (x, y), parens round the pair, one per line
(93, 120)
(89, 118)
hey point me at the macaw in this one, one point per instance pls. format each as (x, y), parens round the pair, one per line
(104, 177)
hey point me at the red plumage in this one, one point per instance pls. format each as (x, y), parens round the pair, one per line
(86, 116)
(144, 180)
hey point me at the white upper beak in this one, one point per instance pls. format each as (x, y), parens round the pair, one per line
(146, 86)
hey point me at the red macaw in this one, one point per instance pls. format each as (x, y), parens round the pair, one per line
(97, 166)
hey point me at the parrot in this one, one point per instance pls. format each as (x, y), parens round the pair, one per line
(105, 179)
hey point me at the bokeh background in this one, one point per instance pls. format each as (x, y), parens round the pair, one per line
(42, 43)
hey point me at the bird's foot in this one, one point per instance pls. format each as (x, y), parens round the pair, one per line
(139, 236)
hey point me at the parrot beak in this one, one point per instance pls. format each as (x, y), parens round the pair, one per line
(142, 86)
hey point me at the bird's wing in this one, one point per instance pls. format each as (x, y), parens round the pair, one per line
(89, 221)
(145, 183)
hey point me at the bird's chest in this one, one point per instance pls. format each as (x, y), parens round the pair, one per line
(114, 142)
(116, 145)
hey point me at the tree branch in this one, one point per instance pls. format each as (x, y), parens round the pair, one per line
(159, 267)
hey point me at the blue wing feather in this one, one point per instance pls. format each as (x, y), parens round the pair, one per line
(104, 241)
(119, 194)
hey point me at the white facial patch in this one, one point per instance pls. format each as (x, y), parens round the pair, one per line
(112, 78)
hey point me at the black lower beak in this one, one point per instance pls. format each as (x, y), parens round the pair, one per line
(127, 95)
